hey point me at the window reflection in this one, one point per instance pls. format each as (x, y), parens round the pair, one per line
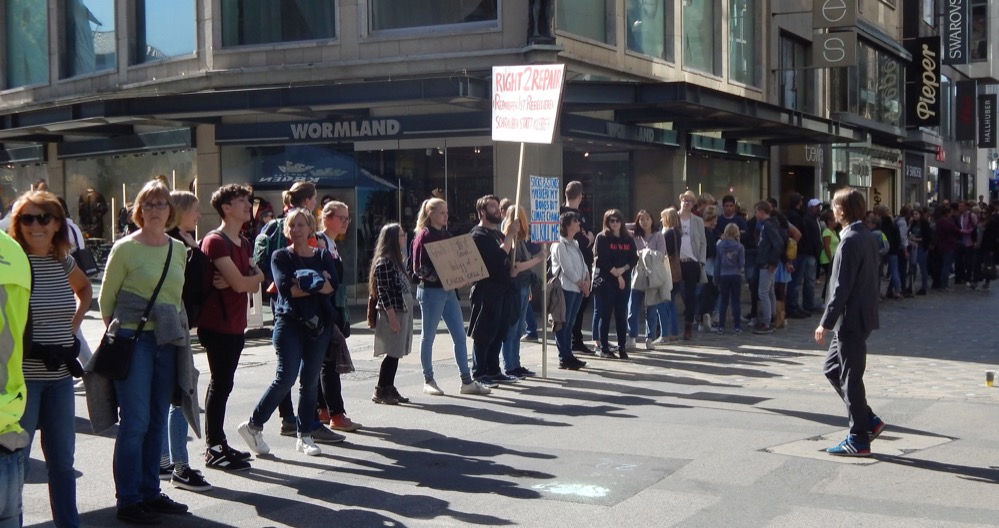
(27, 42)
(90, 36)
(699, 36)
(165, 28)
(979, 30)
(795, 80)
(647, 31)
(872, 90)
(390, 14)
(743, 62)
(586, 18)
(254, 22)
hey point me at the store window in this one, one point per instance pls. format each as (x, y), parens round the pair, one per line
(164, 29)
(721, 176)
(26, 42)
(99, 191)
(606, 179)
(17, 179)
(948, 93)
(647, 29)
(89, 37)
(872, 90)
(979, 30)
(701, 48)
(247, 22)
(743, 46)
(393, 14)
(592, 19)
(796, 81)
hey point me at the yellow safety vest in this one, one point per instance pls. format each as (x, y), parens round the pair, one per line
(15, 291)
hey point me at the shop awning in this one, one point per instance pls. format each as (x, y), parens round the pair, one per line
(692, 108)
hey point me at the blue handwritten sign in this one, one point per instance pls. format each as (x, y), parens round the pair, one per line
(544, 209)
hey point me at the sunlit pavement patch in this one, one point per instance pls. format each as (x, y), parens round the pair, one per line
(601, 478)
(587, 491)
(889, 444)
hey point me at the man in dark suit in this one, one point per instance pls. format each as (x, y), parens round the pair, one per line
(851, 315)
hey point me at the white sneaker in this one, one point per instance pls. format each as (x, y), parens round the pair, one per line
(307, 446)
(432, 389)
(707, 323)
(629, 343)
(650, 343)
(473, 388)
(663, 340)
(254, 439)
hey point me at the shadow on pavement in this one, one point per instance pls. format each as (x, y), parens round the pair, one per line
(486, 415)
(983, 474)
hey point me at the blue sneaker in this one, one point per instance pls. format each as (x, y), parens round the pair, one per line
(851, 447)
(487, 382)
(877, 426)
(503, 378)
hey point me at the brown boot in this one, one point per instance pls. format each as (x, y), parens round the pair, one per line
(781, 319)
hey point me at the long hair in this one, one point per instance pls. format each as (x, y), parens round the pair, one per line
(638, 222)
(49, 205)
(613, 213)
(387, 246)
(523, 226)
(183, 201)
(670, 217)
(298, 194)
(428, 207)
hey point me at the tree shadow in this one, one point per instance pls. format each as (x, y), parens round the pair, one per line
(988, 475)
(435, 441)
(487, 415)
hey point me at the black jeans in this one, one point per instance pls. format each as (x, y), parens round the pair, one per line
(330, 394)
(577, 326)
(223, 351)
(845, 364)
(691, 277)
(486, 357)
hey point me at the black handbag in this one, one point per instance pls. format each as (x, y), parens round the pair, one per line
(84, 258)
(113, 357)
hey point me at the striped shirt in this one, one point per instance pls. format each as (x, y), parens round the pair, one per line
(52, 307)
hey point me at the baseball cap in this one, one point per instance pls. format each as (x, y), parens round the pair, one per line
(814, 202)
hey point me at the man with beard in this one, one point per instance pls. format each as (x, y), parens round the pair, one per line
(492, 313)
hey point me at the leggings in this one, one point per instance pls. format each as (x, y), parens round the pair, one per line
(386, 374)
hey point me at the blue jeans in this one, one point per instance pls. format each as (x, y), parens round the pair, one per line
(175, 436)
(895, 284)
(765, 295)
(11, 483)
(809, 268)
(730, 287)
(946, 268)
(921, 260)
(531, 322)
(607, 299)
(669, 319)
(51, 409)
(636, 305)
(143, 400)
(437, 303)
(563, 338)
(793, 287)
(511, 344)
(300, 355)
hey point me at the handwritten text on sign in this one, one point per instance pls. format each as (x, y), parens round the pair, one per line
(544, 209)
(457, 261)
(526, 102)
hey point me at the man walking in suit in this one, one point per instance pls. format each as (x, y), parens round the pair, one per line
(851, 315)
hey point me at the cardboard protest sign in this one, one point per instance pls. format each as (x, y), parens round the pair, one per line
(457, 261)
(526, 101)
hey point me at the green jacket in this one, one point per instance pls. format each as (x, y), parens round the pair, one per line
(15, 291)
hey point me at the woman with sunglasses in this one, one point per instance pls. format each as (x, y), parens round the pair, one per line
(60, 297)
(161, 359)
(614, 258)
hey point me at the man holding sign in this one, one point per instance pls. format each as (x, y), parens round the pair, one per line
(492, 312)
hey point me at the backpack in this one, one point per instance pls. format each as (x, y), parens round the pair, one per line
(267, 242)
(883, 245)
(200, 274)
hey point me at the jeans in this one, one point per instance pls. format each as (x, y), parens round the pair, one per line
(795, 286)
(895, 285)
(51, 409)
(144, 400)
(11, 483)
(531, 322)
(688, 288)
(730, 295)
(653, 318)
(175, 436)
(435, 304)
(766, 295)
(922, 256)
(947, 265)
(609, 298)
(669, 319)
(331, 389)
(752, 272)
(809, 265)
(563, 338)
(511, 343)
(222, 351)
(300, 356)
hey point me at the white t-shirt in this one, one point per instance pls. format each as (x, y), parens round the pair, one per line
(686, 248)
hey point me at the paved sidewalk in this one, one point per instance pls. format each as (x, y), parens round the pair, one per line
(718, 431)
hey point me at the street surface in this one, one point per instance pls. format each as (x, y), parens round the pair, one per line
(719, 431)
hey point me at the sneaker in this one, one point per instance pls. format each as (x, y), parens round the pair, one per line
(621, 353)
(650, 344)
(522, 373)
(707, 323)
(664, 340)
(166, 472)
(474, 388)
(987, 286)
(971, 285)
(571, 364)
(137, 514)
(78, 386)
(762, 329)
(630, 343)
(235, 453)
(307, 446)
(190, 480)
(582, 348)
(737, 331)
(324, 435)
(289, 428)
(487, 382)
(720, 331)
(254, 439)
(877, 427)
(503, 378)
(851, 447)
(606, 354)
(516, 374)
(219, 458)
(530, 339)
(340, 422)
(432, 389)
(921, 292)
(164, 504)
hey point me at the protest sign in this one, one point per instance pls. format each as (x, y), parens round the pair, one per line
(457, 261)
(544, 209)
(526, 102)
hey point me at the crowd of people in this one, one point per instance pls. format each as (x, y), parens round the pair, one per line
(160, 283)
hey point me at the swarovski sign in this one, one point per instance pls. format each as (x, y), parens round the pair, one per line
(956, 27)
(923, 83)
(834, 14)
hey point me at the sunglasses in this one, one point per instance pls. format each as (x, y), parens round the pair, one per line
(28, 219)
(613, 220)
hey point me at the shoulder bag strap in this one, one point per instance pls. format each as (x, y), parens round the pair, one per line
(156, 292)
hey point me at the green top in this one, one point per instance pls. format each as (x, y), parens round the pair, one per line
(135, 267)
(833, 244)
(15, 290)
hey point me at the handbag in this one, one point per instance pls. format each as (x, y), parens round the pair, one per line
(675, 270)
(113, 357)
(372, 313)
(338, 353)
(84, 257)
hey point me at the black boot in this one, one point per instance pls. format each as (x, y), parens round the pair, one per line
(384, 395)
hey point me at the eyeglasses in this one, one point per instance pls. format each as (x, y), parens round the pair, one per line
(155, 205)
(28, 219)
(343, 218)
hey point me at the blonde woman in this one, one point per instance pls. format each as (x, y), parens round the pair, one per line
(730, 259)
(523, 267)
(668, 312)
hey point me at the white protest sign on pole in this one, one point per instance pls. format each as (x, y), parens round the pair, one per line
(544, 209)
(526, 101)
